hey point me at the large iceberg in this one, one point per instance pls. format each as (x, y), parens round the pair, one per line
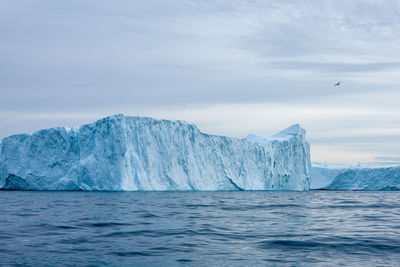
(367, 179)
(141, 153)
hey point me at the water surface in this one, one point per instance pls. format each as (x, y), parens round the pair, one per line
(315, 228)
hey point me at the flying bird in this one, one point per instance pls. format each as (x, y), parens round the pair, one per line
(337, 84)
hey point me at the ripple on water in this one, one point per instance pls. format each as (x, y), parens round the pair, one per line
(316, 228)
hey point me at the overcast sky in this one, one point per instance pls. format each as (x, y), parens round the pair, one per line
(230, 67)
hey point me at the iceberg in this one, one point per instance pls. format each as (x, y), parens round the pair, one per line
(322, 175)
(126, 153)
(367, 179)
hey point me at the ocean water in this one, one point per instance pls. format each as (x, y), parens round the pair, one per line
(315, 228)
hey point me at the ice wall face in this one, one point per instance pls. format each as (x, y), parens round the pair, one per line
(367, 179)
(138, 153)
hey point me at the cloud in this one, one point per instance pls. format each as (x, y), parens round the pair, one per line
(269, 63)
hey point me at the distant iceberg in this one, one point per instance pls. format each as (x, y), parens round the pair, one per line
(141, 153)
(367, 179)
(322, 175)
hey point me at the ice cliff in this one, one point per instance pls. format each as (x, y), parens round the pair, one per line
(367, 179)
(141, 153)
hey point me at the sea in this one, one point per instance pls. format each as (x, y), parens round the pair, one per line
(240, 228)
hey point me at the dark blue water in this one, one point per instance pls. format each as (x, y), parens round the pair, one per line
(316, 228)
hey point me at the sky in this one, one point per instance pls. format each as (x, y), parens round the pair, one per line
(230, 67)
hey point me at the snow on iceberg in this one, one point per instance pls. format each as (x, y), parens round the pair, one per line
(141, 153)
(367, 179)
